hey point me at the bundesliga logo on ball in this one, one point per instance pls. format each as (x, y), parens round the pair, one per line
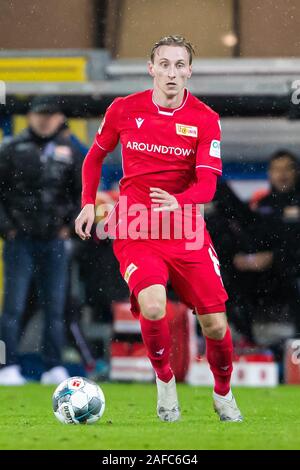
(78, 401)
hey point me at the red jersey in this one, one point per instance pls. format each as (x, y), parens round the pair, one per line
(161, 147)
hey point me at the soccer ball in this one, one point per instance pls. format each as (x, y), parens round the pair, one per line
(78, 401)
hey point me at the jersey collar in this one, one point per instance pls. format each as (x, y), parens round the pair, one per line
(170, 111)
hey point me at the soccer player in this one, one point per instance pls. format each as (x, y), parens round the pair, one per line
(171, 158)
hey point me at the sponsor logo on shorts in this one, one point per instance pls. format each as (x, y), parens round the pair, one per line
(130, 269)
(189, 131)
(215, 149)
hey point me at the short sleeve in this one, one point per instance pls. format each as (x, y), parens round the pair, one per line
(208, 153)
(108, 133)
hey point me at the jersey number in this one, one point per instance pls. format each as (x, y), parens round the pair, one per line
(215, 261)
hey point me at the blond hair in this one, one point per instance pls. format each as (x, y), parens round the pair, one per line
(173, 41)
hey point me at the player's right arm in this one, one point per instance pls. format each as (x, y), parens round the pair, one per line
(105, 141)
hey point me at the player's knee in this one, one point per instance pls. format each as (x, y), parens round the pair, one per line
(213, 326)
(153, 310)
(216, 330)
(152, 301)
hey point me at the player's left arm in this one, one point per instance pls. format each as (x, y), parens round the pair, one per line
(208, 164)
(200, 192)
(208, 168)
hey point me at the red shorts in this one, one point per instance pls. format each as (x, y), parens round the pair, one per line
(194, 274)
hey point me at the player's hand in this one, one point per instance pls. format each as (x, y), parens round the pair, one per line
(167, 201)
(86, 217)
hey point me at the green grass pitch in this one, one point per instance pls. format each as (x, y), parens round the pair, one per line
(272, 420)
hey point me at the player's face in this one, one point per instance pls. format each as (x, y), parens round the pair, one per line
(170, 69)
(282, 174)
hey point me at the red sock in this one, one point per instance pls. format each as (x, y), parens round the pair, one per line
(219, 356)
(156, 337)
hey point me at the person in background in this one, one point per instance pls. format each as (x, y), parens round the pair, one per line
(40, 171)
(280, 209)
(275, 261)
(233, 225)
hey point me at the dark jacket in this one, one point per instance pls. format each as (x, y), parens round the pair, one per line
(40, 184)
(281, 215)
